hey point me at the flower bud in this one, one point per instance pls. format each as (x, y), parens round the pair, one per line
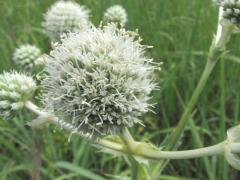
(25, 56)
(99, 80)
(115, 14)
(15, 90)
(65, 16)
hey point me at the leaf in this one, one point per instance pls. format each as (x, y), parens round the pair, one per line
(81, 171)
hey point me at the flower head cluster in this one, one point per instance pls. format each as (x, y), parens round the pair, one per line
(15, 90)
(25, 56)
(99, 80)
(231, 13)
(65, 16)
(115, 14)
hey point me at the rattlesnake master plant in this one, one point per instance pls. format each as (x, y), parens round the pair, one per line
(99, 80)
(25, 56)
(115, 14)
(15, 90)
(65, 16)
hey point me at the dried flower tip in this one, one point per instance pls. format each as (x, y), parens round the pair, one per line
(15, 90)
(65, 16)
(115, 14)
(25, 56)
(99, 80)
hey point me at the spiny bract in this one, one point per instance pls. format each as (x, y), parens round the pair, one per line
(99, 80)
(115, 14)
(15, 90)
(25, 56)
(65, 16)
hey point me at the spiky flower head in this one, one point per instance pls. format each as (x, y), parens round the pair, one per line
(115, 14)
(25, 56)
(15, 90)
(65, 16)
(99, 80)
(231, 13)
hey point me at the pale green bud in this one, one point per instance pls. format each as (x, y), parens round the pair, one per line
(17, 88)
(25, 57)
(115, 14)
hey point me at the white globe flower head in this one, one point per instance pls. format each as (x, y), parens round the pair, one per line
(115, 14)
(231, 14)
(99, 80)
(65, 16)
(15, 90)
(25, 56)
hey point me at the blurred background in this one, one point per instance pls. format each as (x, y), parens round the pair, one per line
(181, 32)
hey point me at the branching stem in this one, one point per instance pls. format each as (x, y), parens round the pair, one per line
(140, 148)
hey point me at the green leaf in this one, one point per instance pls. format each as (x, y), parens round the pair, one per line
(81, 171)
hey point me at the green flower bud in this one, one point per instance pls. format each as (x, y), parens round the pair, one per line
(15, 90)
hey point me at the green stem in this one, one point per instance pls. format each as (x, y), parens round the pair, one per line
(129, 142)
(219, 42)
(142, 149)
(187, 154)
(175, 136)
(223, 168)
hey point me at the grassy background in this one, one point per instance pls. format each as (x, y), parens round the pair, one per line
(181, 32)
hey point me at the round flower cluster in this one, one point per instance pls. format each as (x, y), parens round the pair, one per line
(25, 56)
(99, 80)
(65, 16)
(115, 14)
(231, 13)
(15, 90)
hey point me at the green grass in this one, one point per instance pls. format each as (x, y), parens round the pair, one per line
(181, 32)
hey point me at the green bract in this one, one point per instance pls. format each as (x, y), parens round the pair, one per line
(99, 80)
(15, 90)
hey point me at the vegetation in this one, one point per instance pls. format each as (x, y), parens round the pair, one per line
(181, 33)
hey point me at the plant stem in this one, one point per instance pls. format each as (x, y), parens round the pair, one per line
(129, 142)
(223, 168)
(140, 148)
(187, 154)
(217, 48)
(134, 168)
(37, 145)
(174, 137)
